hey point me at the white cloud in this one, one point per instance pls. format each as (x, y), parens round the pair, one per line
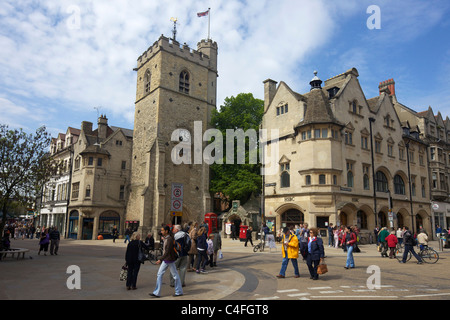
(76, 69)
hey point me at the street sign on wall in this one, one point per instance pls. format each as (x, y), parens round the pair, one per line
(176, 203)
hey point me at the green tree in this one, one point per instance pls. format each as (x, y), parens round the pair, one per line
(232, 180)
(25, 165)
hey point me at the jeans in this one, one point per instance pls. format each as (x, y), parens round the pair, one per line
(202, 260)
(410, 248)
(350, 263)
(173, 271)
(284, 265)
(54, 246)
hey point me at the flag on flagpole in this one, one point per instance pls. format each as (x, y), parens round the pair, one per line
(203, 14)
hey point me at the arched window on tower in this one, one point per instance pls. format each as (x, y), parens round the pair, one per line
(184, 82)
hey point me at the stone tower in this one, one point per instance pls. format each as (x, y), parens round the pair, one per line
(176, 87)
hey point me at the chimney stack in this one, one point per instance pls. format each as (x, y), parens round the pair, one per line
(102, 127)
(86, 127)
(270, 88)
(387, 84)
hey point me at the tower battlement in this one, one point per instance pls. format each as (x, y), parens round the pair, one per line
(184, 51)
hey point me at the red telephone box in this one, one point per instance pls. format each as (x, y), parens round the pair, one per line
(211, 220)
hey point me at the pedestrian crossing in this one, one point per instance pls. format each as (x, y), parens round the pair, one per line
(358, 292)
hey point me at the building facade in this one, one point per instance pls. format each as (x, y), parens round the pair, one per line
(101, 170)
(175, 95)
(55, 195)
(340, 158)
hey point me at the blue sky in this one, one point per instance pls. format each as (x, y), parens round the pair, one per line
(59, 60)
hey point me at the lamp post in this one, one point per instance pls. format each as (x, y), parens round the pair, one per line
(371, 120)
(410, 189)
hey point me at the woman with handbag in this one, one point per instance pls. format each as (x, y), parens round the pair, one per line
(315, 253)
(134, 257)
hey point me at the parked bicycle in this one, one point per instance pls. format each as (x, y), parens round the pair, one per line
(154, 255)
(428, 255)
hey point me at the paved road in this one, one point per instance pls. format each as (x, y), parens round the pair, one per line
(241, 275)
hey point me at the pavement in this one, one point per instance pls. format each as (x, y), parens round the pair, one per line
(240, 275)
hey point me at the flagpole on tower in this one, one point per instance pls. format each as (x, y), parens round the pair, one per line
(209, 23)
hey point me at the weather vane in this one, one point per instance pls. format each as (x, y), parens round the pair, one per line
(174, 31)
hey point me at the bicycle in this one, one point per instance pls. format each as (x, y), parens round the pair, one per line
(259, 246)
(154, 255)
(427, 254)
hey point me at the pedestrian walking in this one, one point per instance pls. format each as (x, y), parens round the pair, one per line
(315, 253)
(330, 235)
(349, 241)
(210, 250)
(422, 239)
(290, 248)
(44, 240)
(336, 233)
(410, 242)
(399, 235)
(202, 247)
(217, 245)
(115, 233)
(167, 261)
(193, 253)
(54, 236)
(132, 259)
(248, 236)
(392, 244)
(128, 234)
(382, 235)
(182, 262)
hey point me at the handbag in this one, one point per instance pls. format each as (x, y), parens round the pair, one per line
(124, 273)
(220, 254)
(322, 268)
(142, 256)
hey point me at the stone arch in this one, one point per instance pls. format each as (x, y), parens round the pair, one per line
(347, 213)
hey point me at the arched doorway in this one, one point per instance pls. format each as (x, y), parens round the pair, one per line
(292, 217)
(343, 218)
(73, 224)
(107, 221)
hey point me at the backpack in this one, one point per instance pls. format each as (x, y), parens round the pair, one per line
(187, 242)
(177, 248)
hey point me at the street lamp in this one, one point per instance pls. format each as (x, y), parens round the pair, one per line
(410, 189)
(371, 120)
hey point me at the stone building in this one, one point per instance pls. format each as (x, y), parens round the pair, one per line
(54, 200)
(175, 94)
(101, 169)
(435, 131)
(323, 156)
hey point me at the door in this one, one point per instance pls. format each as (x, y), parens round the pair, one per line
(88, 228)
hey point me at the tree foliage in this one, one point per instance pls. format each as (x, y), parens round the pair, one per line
(24, 166)
(237, 181)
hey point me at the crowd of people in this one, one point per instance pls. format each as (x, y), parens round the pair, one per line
(186, 248)
(46, 236)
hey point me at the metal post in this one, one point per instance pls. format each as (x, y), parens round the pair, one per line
(371, 119)
(410, 189)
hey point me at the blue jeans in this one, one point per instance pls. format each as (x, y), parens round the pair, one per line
(410, 248)
(350, 263)
(173, 271)
(284, 265)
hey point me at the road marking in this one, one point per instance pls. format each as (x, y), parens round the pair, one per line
(319, 288)
(344, 297)
(289, 290)
(269, 298)
(364, 290)
(299, 294)
(427, 295)
(335, 291)
(349, 287)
